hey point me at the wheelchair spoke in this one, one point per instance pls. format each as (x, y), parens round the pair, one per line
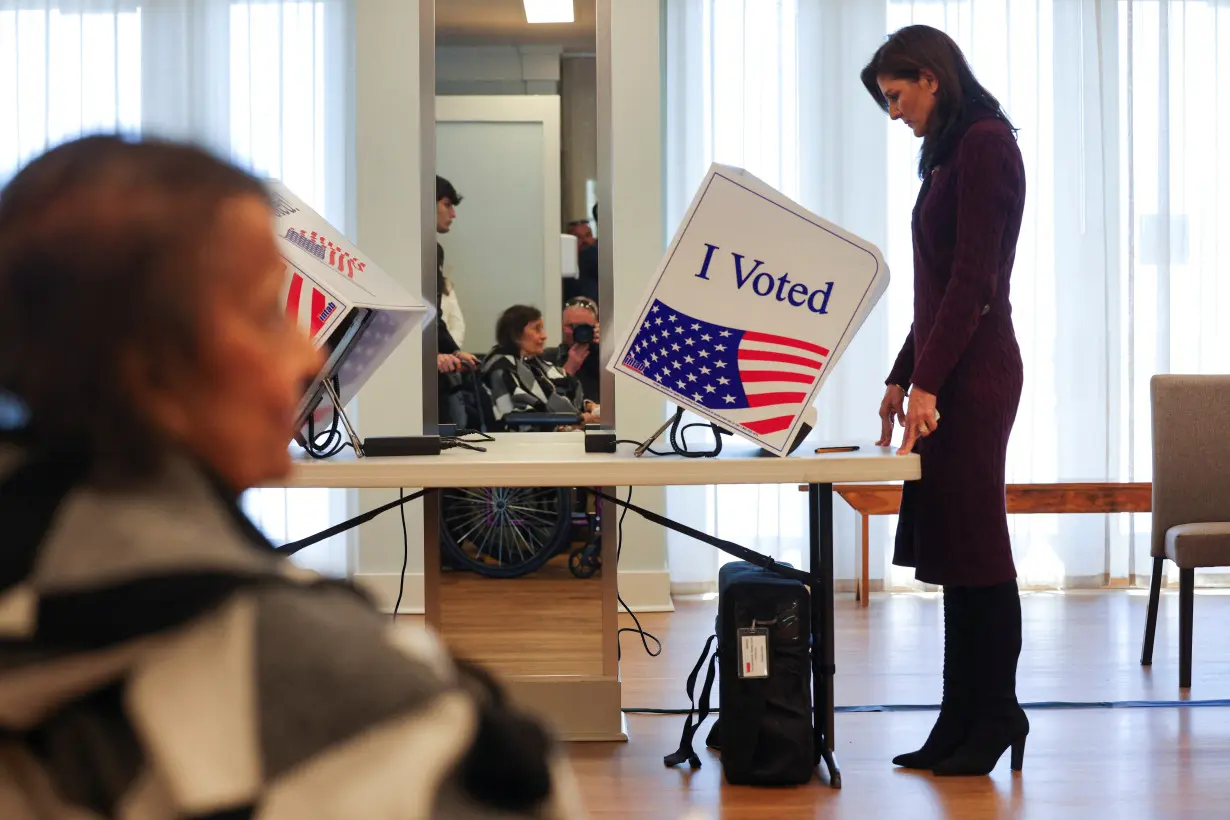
(516, 541)
(463, 539)
(482, 545)
(505, 532)
(547, 519)
(464, 514)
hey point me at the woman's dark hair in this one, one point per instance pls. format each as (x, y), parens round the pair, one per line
(510, 326)
(960, 97)
(103, 243)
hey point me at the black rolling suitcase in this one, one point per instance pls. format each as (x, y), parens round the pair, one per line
(763, 658)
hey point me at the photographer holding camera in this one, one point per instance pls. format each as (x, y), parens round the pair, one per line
(578, 355)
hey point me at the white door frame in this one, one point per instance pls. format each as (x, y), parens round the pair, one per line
(545, 110)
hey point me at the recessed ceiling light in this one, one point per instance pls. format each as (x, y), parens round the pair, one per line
(548, 11)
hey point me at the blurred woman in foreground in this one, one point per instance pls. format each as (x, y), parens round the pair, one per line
(160, 660)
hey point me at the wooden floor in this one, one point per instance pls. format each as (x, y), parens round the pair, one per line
(492, 621)
(1118, 764)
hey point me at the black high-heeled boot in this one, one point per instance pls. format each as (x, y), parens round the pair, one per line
(953, 722)
(999, 723)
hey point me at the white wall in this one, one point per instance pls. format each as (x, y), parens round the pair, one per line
(389, 216)
(497, 70)
(503, 155)
(637, 245)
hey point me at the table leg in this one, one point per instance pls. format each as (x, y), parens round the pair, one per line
(864, 570)
(820, 521)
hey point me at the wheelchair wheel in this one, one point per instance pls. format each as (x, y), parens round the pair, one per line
(504, 532)
(584, 562)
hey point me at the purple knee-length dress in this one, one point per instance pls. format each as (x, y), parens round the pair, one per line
(953, 525)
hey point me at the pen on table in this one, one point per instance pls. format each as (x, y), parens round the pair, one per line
(848, 448)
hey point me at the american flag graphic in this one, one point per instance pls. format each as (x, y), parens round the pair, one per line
(307, 304)
(754, 380)
(323, 249)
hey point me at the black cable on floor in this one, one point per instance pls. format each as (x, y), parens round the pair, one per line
(1039, 706)
(640, 630)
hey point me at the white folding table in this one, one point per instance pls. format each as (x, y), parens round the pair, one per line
(588, 707)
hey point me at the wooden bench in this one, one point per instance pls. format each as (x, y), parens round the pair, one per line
(1075, 497)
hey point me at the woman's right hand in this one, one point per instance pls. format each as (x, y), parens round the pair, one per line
(447, 363)
(892, 409)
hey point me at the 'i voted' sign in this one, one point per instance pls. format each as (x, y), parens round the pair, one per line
(750, 309)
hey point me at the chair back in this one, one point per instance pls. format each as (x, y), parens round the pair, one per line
(1191, 452)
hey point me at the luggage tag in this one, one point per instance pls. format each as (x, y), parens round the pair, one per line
(753, 652)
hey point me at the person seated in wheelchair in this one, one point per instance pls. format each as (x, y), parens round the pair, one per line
(520, 379)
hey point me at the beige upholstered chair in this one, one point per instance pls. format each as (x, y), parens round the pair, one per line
(1191, 493)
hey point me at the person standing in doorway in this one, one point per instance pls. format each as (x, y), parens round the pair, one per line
(581, 229)
(961, 369)
(451, 360)
(447, 200)
(585, 286)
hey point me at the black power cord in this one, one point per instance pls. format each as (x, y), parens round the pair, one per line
(649, 450)
(678, 437)
(330, 441)
(934, 707)
(638, 629)
(405, 549)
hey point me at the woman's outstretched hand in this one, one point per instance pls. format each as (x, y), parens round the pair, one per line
(892, 409)
(921, 419)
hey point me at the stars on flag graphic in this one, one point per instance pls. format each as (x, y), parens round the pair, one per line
(755, 380)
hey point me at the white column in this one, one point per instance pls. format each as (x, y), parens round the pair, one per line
(389, 208)
(637, 241)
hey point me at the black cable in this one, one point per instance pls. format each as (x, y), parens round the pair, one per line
(462, 433)
(649, 450)
(934, 707)
(449, 442)
(683, 433)
(334, 442)
(405, 550)
(640, 630)
(292, 547)
(679, 439)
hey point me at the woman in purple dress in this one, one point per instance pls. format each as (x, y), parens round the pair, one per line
(961, 368)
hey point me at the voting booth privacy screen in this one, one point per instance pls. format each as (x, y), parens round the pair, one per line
(750, 309)
(352, 310)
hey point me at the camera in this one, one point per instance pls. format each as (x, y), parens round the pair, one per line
(582, 334)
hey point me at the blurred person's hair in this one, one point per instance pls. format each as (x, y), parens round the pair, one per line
(104, 253)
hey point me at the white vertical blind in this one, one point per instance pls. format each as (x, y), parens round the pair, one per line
(264, 83)
(1120, 266)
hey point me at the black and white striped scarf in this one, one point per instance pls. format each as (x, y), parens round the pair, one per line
(159, 661)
